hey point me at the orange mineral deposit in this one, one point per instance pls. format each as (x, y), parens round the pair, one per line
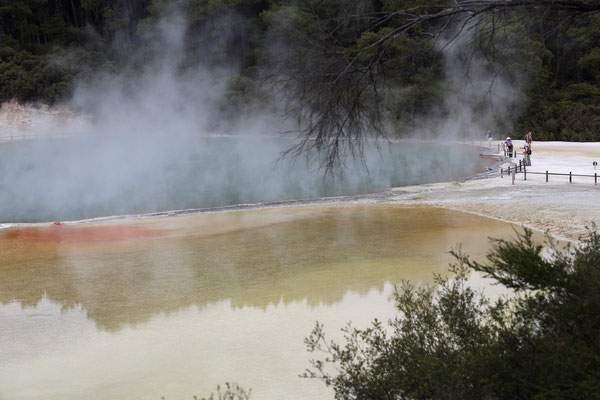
(59, 232)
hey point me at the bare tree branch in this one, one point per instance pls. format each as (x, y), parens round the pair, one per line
(336, 78)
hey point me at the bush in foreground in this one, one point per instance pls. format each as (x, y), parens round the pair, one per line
(450, 341)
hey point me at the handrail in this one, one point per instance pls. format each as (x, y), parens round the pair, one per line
(522, 169)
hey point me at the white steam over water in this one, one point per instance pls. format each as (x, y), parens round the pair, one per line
(95, 176)
(152, 147)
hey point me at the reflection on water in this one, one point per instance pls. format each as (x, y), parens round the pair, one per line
(206, 298)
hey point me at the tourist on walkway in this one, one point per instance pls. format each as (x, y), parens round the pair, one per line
(509, 146)
(489, 138)
(527, 154)
(528, 138)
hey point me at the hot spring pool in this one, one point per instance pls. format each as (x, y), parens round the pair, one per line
(92, 176)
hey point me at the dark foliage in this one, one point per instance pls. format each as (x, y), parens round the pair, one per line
(348, 69)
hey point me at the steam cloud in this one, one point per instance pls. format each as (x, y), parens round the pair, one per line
(479, 94)
(156, 144)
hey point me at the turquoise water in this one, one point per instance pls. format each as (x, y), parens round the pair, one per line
(77, 178)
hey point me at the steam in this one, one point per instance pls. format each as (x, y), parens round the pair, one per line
(155, 95)
(480, 93)
(160, 141)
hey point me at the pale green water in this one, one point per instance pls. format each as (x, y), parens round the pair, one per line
(95, 176)
(208, 298)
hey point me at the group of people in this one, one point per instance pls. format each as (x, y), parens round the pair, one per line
(509, 146)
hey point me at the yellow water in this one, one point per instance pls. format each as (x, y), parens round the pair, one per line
(185, 303)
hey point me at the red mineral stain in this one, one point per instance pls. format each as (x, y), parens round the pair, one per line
(59, 232)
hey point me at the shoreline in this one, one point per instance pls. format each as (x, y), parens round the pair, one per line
(558, 207)
(561, 209)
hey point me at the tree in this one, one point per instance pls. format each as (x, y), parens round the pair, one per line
(345, 57)
(345, 70)
(232, 392)
(450, 341)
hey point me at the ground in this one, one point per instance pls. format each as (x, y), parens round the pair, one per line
(562, 208)
(20, 121)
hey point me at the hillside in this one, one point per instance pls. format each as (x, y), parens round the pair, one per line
(47, 46)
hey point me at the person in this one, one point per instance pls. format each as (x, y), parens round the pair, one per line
(489, 138)
(527, 154)
(528, 138)
(509, 146)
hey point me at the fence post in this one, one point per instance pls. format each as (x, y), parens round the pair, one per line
(546, 176)
(524, 173)
(513, 177)
(508, 170)
(501, 173)
(595, 178)
(570, 177)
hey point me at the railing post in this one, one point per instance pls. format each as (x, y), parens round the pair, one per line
(524, 173)
(595, 178)
(501, 173)
(570, 177)
(513, 177)
(546, 176)
(509, 169)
